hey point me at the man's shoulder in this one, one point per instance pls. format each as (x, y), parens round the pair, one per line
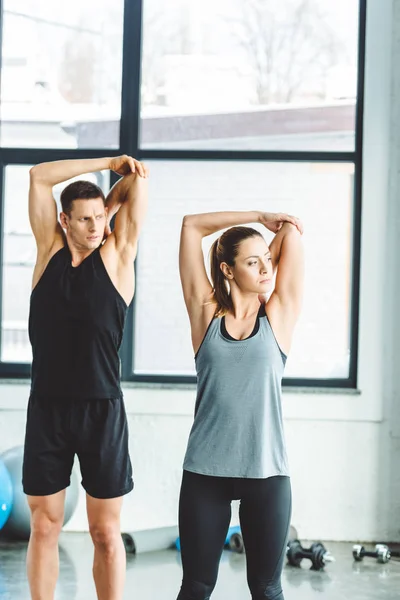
(43, 260)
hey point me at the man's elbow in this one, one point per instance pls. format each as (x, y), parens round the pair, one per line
(37, 173)
(33, 172)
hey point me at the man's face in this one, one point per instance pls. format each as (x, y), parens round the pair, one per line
(86, 223)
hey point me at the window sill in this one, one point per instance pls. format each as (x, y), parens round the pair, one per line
(178, 399)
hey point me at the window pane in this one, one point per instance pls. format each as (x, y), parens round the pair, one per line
(258, 75)
(19, 255)
(61, 73)
(320, 194)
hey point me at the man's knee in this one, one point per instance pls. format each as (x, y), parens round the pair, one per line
(45, 527)
(105, 536)
(261, 590)
(195, 590)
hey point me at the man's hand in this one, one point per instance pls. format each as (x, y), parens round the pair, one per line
(124, 165)
(274, 221)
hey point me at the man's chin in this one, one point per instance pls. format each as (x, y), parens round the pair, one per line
(93, 243)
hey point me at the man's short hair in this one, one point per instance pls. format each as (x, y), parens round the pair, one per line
(79, 190)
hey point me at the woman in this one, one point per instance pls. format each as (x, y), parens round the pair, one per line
(236, 447)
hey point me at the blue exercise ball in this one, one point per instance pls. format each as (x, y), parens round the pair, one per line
(6, 494)
(19, 521)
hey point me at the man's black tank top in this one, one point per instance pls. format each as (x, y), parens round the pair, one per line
(76, 323)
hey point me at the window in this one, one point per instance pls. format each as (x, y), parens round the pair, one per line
(255, 105)
(255, 75)
(61, 73)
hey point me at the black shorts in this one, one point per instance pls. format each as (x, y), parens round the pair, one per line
(95, 430)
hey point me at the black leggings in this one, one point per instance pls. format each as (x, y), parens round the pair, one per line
(204, 518)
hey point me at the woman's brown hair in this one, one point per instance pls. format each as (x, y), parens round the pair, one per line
(225, 249)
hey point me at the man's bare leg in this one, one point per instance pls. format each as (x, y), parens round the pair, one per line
(109, 564)
(47, 515)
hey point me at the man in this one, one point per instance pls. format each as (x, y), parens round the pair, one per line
(80, 294)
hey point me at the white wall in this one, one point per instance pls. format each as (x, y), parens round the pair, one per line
(344, 448)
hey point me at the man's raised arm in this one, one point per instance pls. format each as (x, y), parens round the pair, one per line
(42, 206)
(131, 207)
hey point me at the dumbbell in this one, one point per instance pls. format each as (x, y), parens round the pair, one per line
(381, 553)
(317, 553)
(236, 543)
(393, 553)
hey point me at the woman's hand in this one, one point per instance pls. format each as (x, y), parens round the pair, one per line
(274, 221)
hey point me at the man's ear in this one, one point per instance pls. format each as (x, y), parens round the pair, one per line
(64, 220)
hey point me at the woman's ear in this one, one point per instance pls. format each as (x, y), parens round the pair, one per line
(226, 269)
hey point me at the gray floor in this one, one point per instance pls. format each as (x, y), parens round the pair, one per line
(157, 575)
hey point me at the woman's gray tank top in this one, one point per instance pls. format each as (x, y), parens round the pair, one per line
(238, 425)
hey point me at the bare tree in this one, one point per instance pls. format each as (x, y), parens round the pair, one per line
(165, 33)
(152, 75)
(77, 71)
(288, 45)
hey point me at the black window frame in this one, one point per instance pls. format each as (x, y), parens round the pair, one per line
(130, 144)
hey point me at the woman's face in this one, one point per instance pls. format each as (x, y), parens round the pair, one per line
(253, 270)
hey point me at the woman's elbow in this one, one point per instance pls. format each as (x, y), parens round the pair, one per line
(188, 220)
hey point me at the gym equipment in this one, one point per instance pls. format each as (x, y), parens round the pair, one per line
(18, 523)
(382, 553)
(235, 542)
(6, 494)
(150, 540)
(234, 539)
(383, 547)
(317, 553)
(393, 553)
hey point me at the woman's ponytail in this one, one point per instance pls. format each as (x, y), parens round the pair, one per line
(220, 286)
